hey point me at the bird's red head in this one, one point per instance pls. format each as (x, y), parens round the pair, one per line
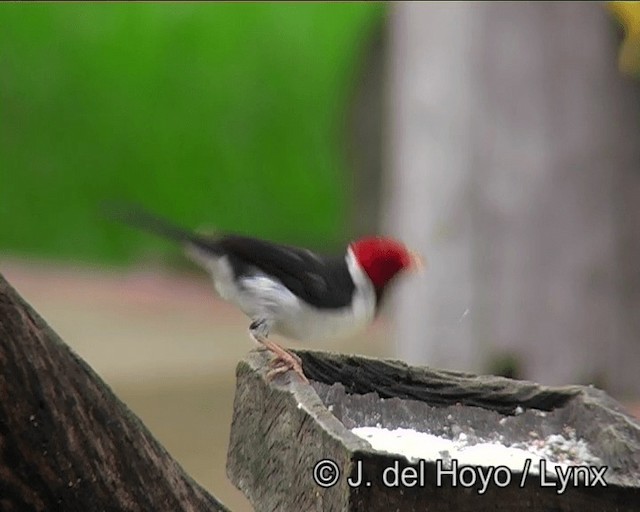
(383, 258)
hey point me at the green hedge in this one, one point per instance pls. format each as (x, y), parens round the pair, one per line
(229, 114)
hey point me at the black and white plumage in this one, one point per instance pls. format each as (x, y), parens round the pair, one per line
(289, 290)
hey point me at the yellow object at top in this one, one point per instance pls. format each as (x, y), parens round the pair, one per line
(628, 14)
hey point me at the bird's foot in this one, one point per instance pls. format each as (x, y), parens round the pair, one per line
(278, 361)
(295, 357)
(283, 362)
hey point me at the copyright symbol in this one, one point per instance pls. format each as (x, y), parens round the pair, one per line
(326, 473)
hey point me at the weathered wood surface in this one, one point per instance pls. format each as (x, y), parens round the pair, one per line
(66, 442)
(281, 429)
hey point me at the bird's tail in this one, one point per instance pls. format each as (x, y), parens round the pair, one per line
(137, 217)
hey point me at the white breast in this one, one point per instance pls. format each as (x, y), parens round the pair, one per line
(262, 297)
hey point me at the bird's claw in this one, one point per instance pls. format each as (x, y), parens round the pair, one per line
(277, 359)
(282, 364)
(296, 357)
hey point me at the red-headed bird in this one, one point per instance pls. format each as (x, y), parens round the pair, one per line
(291, 291)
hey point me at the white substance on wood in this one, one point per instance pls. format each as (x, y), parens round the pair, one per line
(414, 445)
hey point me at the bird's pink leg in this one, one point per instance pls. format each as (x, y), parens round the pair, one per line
(283, 361)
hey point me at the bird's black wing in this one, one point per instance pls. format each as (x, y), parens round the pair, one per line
(320, 281)
(323, 282)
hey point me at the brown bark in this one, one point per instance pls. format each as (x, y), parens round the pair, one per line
(66, 442)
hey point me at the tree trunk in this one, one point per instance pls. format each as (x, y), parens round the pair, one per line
(514, 164)
(66, 442)
(283, 432)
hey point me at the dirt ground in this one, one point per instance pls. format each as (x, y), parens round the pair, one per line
(168, 348)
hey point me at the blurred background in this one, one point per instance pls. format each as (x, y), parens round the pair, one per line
(501, 140)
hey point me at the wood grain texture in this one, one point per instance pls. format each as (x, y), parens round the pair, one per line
(66, 442)
(281, 429)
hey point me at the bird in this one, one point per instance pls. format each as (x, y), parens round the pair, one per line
(288, 290)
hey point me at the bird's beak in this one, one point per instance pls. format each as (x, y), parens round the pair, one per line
(418, 263)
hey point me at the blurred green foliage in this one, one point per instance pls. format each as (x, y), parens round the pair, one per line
(226, 114)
